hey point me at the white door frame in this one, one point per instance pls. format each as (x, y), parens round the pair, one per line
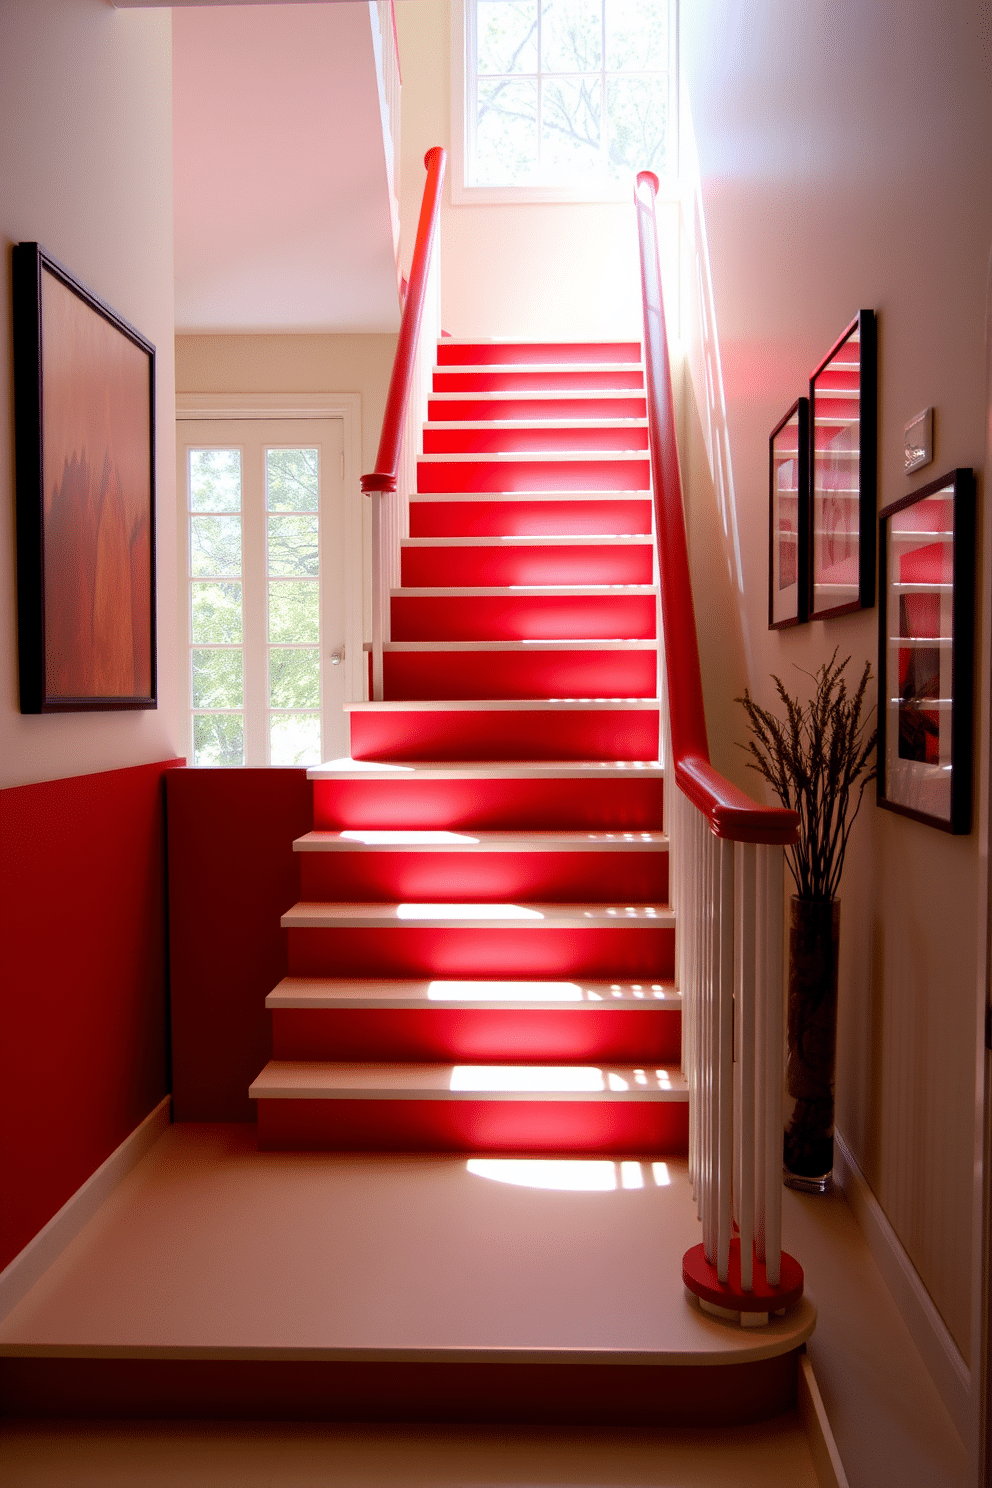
(348, 408)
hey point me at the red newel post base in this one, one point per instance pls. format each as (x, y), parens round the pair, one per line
(701, 1278)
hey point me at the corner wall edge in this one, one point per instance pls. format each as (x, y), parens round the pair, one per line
(27, 1267)
(940, 1354)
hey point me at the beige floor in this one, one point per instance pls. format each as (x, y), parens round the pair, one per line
(774, 1455)
(212, 1245)
(891, 1427)
(889, 1423)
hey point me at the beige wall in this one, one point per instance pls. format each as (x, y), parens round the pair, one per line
(303, 364)
(531, 269)
(86, 166)
(293, 364)
(843, 162)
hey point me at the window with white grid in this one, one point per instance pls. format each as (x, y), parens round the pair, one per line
(567, 98)
(257, 602)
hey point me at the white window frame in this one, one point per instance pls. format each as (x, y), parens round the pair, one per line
(231, 407)
(463, 195)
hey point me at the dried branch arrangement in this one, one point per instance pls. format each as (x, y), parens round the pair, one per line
(815, 760)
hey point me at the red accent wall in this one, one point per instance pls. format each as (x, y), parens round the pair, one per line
(232, 874)
(83, 1050)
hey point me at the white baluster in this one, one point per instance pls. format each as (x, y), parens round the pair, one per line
(746, 1072)
(774, 1041)
(761, 1051)
(713, 1071)
(723, 940)
(378, 596)
(690, 983)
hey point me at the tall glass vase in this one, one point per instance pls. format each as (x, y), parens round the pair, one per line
(814, 938)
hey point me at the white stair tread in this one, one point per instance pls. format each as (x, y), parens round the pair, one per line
(306, 1079)
(521, 646)
(350, 769)
(542, 540)
(532, 342)
(577, 995)
(312, 914)
(416, 839)
(457, 1257)
(505, 705)
(471, 368)
(490, 457)
(425, 498)
(448, 395)
(518, 591)
(594, 421)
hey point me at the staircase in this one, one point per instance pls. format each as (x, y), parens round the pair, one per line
(472, 1199)
(482, 961)
(482, 958)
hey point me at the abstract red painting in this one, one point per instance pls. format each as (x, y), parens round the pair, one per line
(84, 404)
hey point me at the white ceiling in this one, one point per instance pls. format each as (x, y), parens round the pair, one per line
(282, 200)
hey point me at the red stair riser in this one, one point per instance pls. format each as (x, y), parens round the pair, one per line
(513, 674)
(420, 1390)
(641, 1128)
(598, 460)
(589, 563)
(519, 353)
(619, 954)
(552, 379)
(522, 617)
(506, 734)
(499, 441)
(483, 1036)
(444, 410)
(525, 474)
(535, 518)
(439, 877)
(542, 805)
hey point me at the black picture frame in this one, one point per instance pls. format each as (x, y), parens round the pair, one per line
(788, 518)
(84, 428)
(926, 653)
(843, 398)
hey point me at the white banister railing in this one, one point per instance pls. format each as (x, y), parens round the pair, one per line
(394, 479)
(727, 889)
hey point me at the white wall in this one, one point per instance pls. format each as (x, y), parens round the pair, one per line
(526, 269)
(283, 219)
(86, 166)
(843, 162)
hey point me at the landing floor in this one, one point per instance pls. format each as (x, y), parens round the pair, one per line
(210, 1246)
(208, 1229)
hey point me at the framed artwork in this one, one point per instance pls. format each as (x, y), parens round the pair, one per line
(788, 513)
(84, 399)
(842, 405)
(925, 652)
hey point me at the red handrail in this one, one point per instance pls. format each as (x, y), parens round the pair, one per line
(384, 476)
(731, 814)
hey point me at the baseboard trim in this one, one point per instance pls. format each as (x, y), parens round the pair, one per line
(930, 1333)
(812, 1413)
(17, 1278)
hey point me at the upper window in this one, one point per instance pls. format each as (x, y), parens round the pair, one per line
(567, 98)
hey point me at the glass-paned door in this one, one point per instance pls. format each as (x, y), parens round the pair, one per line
(263, 607)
